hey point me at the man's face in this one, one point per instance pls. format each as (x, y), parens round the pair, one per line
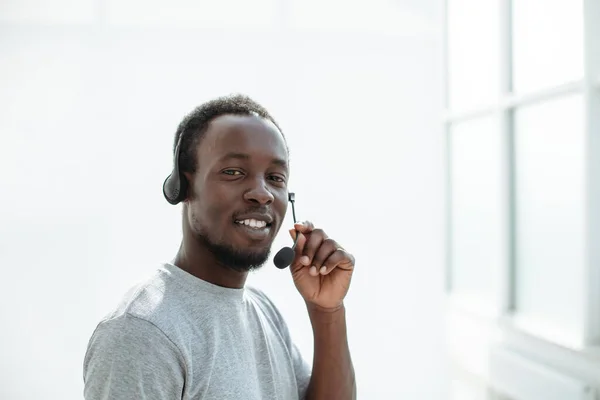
(238, 196)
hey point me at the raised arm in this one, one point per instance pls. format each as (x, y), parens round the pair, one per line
(332, 373)
(322, 272)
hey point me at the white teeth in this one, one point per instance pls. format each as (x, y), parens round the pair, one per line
(252, 223)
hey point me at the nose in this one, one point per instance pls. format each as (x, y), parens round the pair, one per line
(259, 194)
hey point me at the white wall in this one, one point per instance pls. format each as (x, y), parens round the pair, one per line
(87, 116)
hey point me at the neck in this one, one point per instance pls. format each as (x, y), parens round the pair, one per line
(201, 262)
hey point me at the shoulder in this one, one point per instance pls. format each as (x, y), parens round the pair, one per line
(139, 324)
(148, 307)
(151, 299)
(128, 331)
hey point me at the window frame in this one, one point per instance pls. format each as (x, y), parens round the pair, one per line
(504, 107)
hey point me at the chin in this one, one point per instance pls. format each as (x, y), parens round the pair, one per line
(241, 250)
(247, 264)
(241, 258)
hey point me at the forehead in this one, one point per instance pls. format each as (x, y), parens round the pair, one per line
(257, 137)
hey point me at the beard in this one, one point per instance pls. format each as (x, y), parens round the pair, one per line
(233, 258)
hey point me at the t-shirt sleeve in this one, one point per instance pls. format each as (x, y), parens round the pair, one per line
(130, 358)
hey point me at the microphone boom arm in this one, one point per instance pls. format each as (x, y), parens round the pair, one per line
(285, 256)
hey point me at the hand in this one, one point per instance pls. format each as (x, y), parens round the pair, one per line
(321, 268)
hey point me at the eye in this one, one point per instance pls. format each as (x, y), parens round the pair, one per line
(277, 178)
(232, 172)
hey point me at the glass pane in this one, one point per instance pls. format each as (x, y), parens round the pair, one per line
(550, 204)
(478, 212)
(473, 52)
(547, 43)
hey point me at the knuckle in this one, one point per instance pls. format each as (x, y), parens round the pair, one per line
(331, 243)
(352, 259)
(318, 232)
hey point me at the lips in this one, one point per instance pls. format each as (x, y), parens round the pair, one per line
(254, 234)
(256, 219)
(254, 226)
(253, 223)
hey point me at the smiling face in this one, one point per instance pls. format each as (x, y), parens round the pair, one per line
(238, 194)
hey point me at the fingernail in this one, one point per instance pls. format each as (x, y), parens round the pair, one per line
(305, 260)
(313, 271)
(323, 270)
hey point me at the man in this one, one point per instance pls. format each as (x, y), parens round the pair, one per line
(194, 330)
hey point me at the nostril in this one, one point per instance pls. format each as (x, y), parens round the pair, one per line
(260, 196)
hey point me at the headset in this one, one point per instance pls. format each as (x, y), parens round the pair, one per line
(175, 186)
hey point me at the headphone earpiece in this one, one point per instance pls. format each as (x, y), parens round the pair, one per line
(175, 186)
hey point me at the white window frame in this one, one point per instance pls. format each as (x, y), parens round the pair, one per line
(499, 327)
(592, 107)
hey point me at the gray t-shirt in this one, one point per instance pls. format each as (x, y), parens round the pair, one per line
(175, 336)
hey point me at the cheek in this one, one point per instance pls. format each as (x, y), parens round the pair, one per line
(281, 207)
(211, 210)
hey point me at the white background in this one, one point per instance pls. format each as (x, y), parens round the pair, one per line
(89, 101)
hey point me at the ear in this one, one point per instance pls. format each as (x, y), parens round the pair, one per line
(186, 181)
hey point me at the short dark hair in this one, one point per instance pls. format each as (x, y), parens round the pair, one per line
(195, 124)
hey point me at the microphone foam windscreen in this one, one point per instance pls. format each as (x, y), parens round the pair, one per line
(284, 257)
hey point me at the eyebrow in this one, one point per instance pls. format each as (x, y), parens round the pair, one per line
(246, 157)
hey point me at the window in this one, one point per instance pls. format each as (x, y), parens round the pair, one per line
(547, 43)
(478, 253)
(473, 53)
(522, 122)
(550, 211)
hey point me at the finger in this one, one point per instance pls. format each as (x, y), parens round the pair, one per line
(338, 259)
(300, 259)
(315, 240)
(304, 227)
(327, 248)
